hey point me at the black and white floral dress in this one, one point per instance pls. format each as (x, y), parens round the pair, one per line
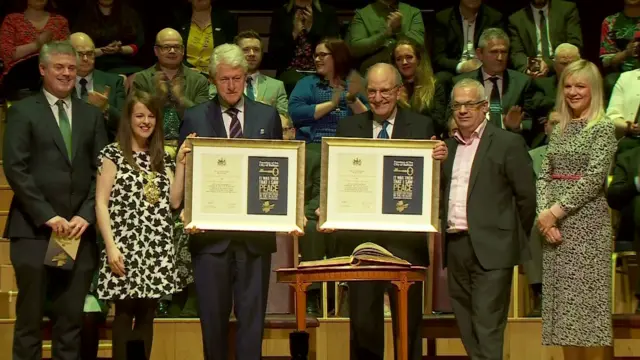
(142, 231)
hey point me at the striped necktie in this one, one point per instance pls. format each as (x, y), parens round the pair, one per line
(235, 129)
(65, 126)
(495, 106)
(383, 134)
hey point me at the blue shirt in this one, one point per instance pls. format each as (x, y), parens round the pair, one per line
(308, 93)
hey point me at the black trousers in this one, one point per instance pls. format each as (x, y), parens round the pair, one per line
(65, 288)
(129, 341)
(480, 300)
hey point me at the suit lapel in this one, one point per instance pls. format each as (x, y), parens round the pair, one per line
(213, 118)
(507, 94)
(483, 148)
(401, 126)
(261, 83)
(456, 23)
(531, 29)
(249, 131)
(98, 82)
(51, 122)
(555, 24)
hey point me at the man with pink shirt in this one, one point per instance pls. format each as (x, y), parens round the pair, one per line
(488, 209)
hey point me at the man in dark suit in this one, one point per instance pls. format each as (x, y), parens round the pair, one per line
(539, 28)
(623, 195)
(509, 92)
(487, 210)
(366, 299)
(232, 267)
(98, 88)
(51, 147)
(456, 34)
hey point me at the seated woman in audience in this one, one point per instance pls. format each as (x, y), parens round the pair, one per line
(21, 37)
(316, 105)
(117, 33)
(573, 216)
(135, 192)
(203, 28)
(420, 90)
(296, 29)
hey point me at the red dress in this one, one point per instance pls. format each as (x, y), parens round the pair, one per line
(16, 30)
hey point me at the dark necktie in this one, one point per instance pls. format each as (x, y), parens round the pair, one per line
(495, 107)
(544, 36)
(250, 94)
(84, 94)
(235, 129)
(383, 134)
(65, 126)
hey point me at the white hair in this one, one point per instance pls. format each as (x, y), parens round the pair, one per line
(227, 54)
(492, 34)
(468, 83)
(56, 48)
(396, 73)
(566, 48)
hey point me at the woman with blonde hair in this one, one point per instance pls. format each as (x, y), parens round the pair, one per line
(574, 218)
(420, 92)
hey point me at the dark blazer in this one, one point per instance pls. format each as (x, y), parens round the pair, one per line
(564, 27)
(623, 195)
(223, 24)
(448, 39)
(516, 91)
(501, 202)
(412, 247)
(281, 44)
(45, 183)
(116, 98)
(260, 122)
(545, 96)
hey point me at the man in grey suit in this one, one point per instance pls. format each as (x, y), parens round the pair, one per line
(51, 148)
(488, 208)
(231, 267)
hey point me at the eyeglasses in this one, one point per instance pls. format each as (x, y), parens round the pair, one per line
(471, 105)
(167, 48)
(385, 93)
(90, 54)
(321, 55)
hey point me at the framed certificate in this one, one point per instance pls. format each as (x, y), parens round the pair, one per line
(384, 185)
(245, 185)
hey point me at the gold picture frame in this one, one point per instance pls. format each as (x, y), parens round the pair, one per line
(355, 195)
(218, 195)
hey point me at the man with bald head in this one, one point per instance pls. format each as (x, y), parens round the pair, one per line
(385, 120)
(101, 89)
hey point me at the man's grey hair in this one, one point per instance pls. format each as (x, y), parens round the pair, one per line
(227, 54)
(566, 48)
(56, 48)
(469, 83)
(396, 73)
(492, 34)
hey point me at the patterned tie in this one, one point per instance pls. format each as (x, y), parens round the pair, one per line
(544, 36)
(250, 94)
(235, 129)
(495, 108)
(383, 134)
(65, 126)
(84, 94)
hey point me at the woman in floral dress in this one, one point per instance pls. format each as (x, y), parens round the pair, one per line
(134, 195)
(574, 217)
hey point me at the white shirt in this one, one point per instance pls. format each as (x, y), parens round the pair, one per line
(377, 126)
(536, 18)
(54, 108)
(254, 83)
(468, 32)
(89, 83)
(226, 118)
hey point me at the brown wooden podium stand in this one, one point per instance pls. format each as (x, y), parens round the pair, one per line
(401, 277)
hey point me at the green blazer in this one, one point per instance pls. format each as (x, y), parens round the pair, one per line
(544, 99)
(270, 91)
(564, 27)
(117, 97)
(367, 38)
(195, 88)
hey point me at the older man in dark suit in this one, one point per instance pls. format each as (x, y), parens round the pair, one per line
(51, 148)
(509, 92)
(488, 209)
(232, 267)
(366, 299)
